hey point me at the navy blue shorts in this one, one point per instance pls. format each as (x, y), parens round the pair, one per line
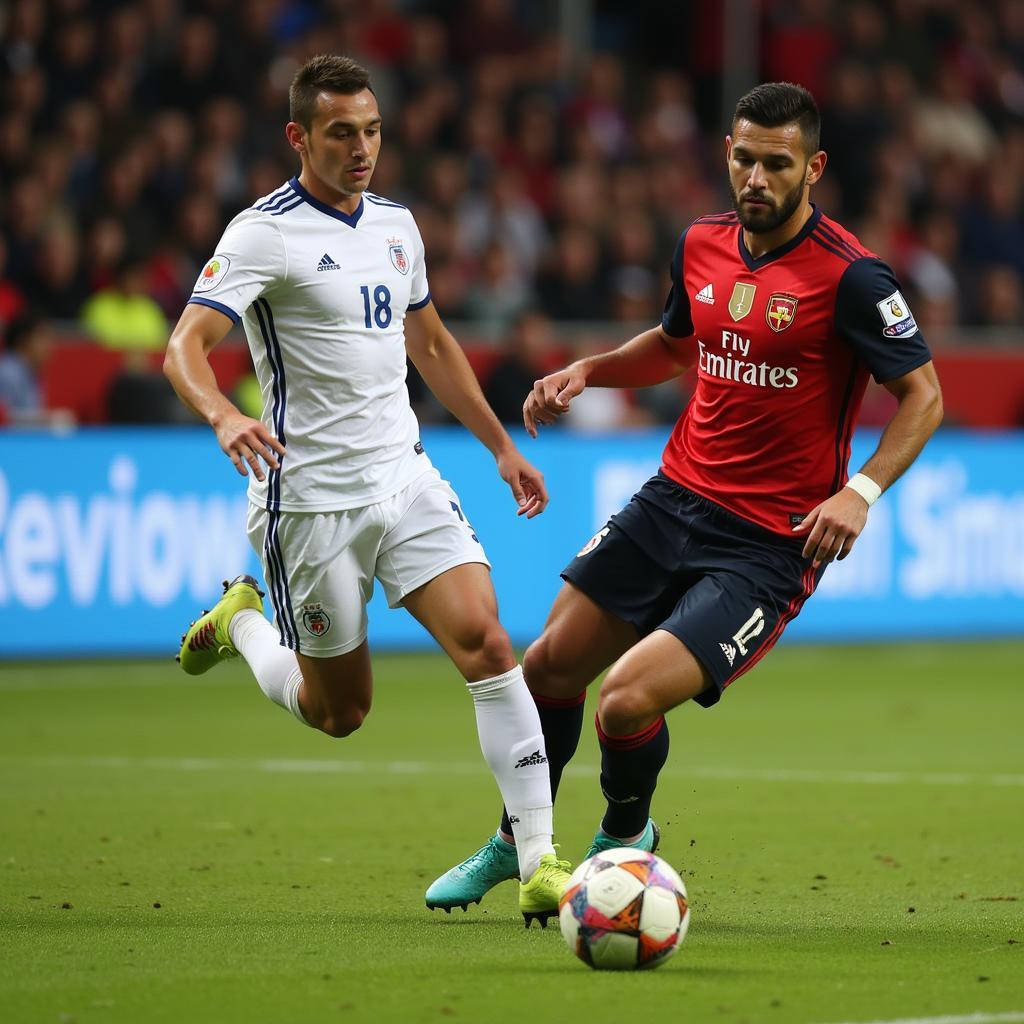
(675, 561)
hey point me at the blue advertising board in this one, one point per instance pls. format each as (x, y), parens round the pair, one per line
(112, 540)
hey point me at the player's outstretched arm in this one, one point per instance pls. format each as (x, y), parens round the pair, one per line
(650, 358)
(187, 366)
(834, 525)
(446, 371)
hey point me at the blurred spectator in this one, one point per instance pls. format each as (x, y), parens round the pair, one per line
(139, 395)
(498, 294)
(505, 213)
(531, 353)
(57, 285)
(1000, 299)
(569, 286)
(992, 224)
(597, 110)
(123, 316)
(948, 122)
(27, 348)
(799, 44)
(12, 301)
(852, 126)
(597, 410)
(635, 299)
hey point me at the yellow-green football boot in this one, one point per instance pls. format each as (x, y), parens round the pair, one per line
(538, 898)
(207, 641)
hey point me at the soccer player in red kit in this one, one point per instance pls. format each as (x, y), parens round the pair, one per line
(785, 314)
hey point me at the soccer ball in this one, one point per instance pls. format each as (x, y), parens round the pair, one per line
(624, 909)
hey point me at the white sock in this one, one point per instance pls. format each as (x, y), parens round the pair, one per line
(274, 666)
(513, 745)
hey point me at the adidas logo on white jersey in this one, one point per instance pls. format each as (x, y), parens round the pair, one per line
(706, 294)
(326, 263)
(729, 651)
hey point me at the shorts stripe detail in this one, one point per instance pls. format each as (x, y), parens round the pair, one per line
(559, 702)
(273, 347)
(809, 581)
(272, 546)
(634, 740)
(280, 595)
(271, 552)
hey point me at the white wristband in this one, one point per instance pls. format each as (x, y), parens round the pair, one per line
(865, 487)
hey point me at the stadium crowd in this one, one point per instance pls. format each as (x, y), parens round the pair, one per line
(547, 188)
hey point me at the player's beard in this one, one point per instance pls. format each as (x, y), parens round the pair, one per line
(768, 218)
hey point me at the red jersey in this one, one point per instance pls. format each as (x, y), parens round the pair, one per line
(784, 346)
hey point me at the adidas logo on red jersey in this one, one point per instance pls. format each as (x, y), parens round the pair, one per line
(706, 294)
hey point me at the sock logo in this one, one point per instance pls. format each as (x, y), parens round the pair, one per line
(531, 759)
(513, 820)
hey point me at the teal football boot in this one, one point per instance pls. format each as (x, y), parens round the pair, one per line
(495, 862)
(649, 839)
(207, 640)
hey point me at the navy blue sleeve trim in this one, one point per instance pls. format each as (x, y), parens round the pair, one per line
(889, 344)
(219, 306)
(676, 320)
(420, 304)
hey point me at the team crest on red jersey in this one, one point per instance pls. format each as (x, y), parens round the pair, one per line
(781, 310)
(396, 250)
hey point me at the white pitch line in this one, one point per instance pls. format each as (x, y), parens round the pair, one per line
(324, 766)
(126, 681)
(970, 1018)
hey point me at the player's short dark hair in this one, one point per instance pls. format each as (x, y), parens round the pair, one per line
(774, 104)
(325, 73)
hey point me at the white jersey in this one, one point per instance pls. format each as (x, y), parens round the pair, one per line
(322, 296)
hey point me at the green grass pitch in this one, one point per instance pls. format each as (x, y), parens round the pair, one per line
(849, 821)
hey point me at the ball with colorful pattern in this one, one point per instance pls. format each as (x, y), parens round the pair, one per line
(624, 909)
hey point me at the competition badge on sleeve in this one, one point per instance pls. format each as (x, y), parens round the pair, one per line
(212, 274)
(897, 320)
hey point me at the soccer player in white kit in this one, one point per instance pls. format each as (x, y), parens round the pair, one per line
(329, 283)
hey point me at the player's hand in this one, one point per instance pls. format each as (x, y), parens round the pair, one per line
(833, 526)
(247, 441)
(526, 481)
(551, 396)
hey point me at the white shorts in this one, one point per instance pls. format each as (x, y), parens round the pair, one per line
(320, 566)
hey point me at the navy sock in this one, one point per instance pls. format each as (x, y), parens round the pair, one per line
(629, 775)
(561, 721)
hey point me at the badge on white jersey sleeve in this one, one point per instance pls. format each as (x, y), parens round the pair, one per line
(213, 273)
(249, 258)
